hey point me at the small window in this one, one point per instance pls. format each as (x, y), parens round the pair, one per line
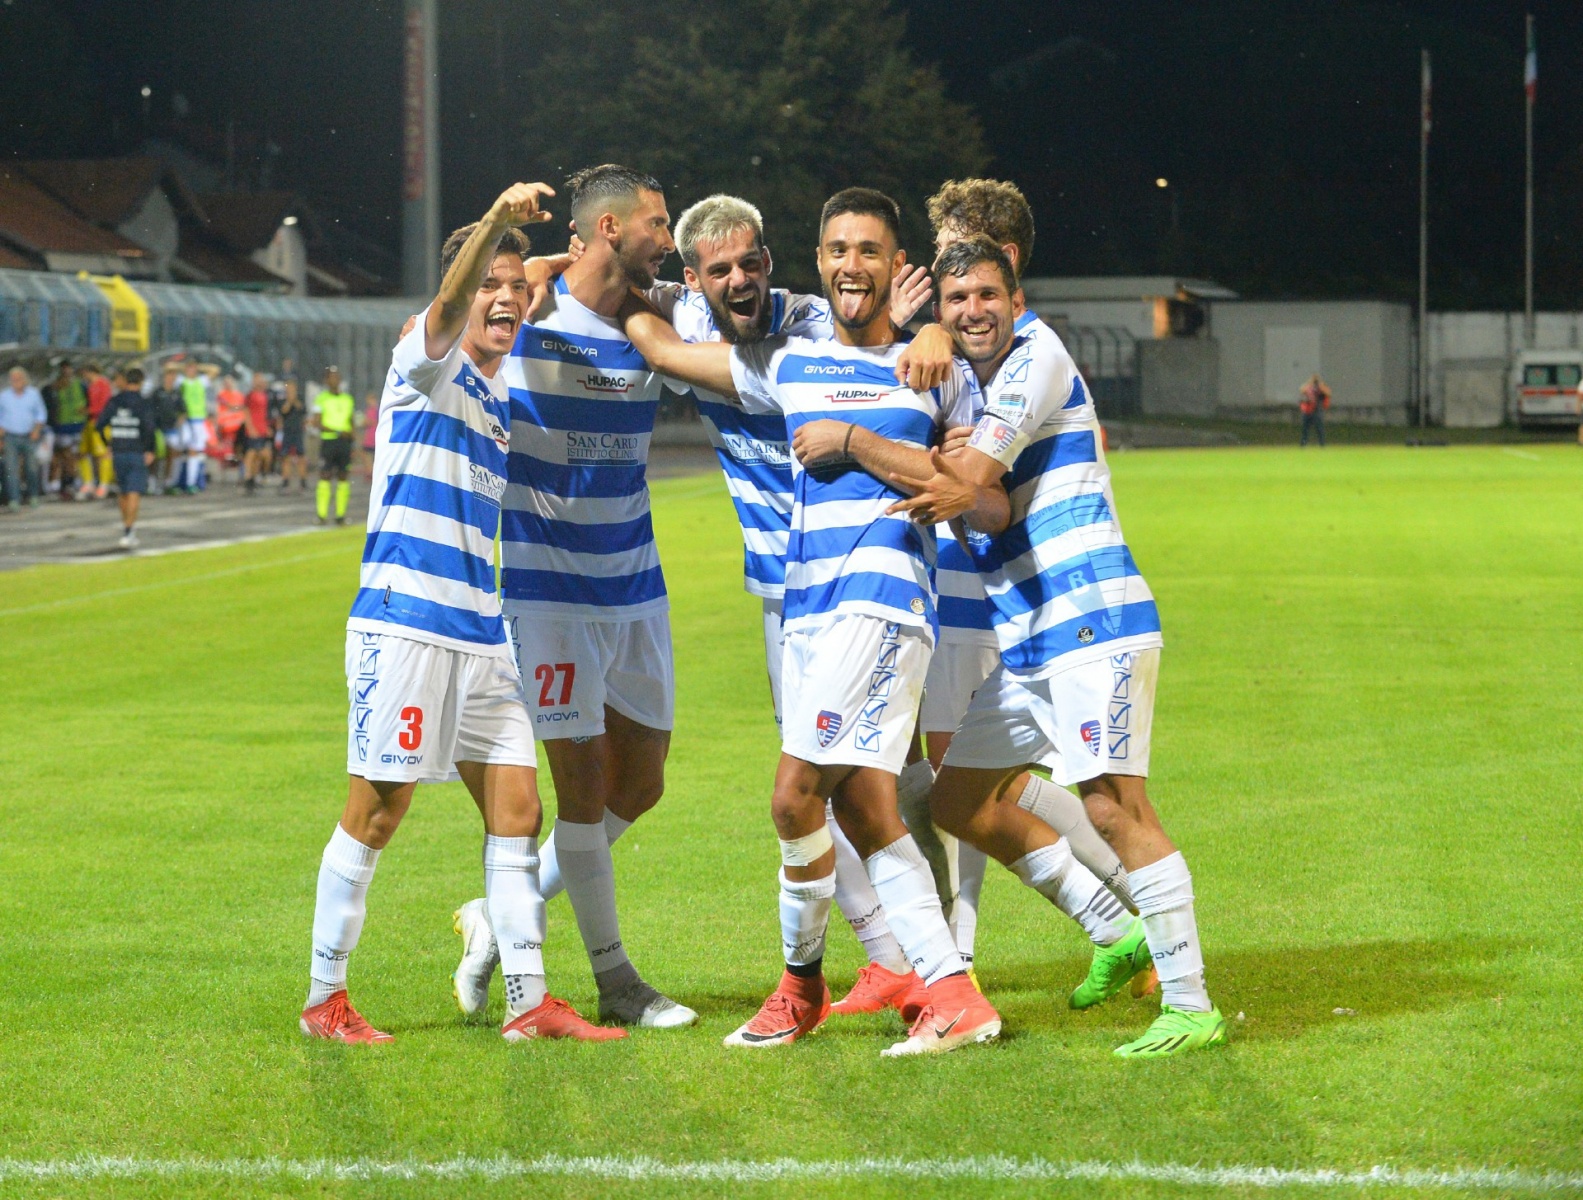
(1568, 374)
(1539, 375)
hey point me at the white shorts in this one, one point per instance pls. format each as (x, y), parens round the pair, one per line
(193, 436)
(417, 708)
(1092, 720)
(955, 672)
(850, 692)
(774, 650)
(572, 669)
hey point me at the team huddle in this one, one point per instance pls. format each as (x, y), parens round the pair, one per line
(948, 602)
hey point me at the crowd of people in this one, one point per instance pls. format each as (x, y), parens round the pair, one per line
(90, 433)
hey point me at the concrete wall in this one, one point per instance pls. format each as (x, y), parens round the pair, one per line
(1180, 377)
(1470, 354)
(1362, 348)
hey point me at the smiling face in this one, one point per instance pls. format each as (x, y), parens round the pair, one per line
(734, 276)
(977, 311)
(858, 258)
(644, 240)
(497, 310)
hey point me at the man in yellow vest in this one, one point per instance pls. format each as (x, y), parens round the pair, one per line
(332, 415)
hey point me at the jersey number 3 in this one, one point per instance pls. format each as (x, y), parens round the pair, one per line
(411, 737)
(545, 673)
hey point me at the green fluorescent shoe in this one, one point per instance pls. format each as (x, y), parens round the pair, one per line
(1113, 966)
(1175, 1032)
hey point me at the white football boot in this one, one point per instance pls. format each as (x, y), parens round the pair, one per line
(480, 957)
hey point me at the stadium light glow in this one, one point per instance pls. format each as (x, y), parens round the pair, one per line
(1161, 182)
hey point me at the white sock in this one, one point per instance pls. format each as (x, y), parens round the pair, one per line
(1071, 887)
(516, 912)
(805, 913)
(584, 854)
(345, 872)
(1064, 812)
(939, 848)
(550, 882)
(970, 865)
(1164, 892)
(906, 888)
(859, 904)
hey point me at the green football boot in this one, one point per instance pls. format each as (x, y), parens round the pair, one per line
(1175, 1032)
(1113, 966)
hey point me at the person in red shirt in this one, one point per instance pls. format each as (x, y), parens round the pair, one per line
(1313, 399)
(94, 469)
(258, 430)
(230, 417)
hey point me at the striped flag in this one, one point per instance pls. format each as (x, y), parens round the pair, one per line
(1531, 66)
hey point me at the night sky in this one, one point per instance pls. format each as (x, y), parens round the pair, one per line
(1288, 130)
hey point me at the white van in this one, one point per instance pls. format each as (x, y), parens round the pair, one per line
(1545, 387)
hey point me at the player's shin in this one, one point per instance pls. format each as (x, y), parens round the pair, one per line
(345, 871)
(859, 903)
(938, 848)
(1164, 891)
(551, 883)
(971, 865)
(516, 911)
(906, 888)
(590, 879)
(1055, 874)
(1064, 813)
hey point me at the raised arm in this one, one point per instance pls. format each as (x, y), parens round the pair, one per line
(702, 364)
(966, 484)
(517, 205)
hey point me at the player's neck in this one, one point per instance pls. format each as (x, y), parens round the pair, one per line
(876, 334)
(486, 362)
(986, 370)
(597, 282)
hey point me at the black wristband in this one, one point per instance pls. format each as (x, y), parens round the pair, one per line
(846, 446)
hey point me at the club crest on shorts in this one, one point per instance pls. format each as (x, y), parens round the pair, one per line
(828, 726)
(1090, 735)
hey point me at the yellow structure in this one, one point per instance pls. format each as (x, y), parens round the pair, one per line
(128, 313)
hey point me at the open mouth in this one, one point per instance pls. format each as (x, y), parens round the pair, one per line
(744, 306)
(978, 329)
(502, 323)
(850, 296)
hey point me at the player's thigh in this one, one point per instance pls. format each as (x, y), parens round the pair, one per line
(1102, 715)
(637, 758)
(507, 796)
(563, 665)
(865, 807)
(640, 677)
(402, 708)
(851, 688)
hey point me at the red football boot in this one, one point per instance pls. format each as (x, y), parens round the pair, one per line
(556, 1019)
(794, 1009)
(337, 1021)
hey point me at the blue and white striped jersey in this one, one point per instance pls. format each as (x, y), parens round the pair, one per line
(752, 447)
(576, 538)
(439, 471)
(845, 555)
(1062, 584)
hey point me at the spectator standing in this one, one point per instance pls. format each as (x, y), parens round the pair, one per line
(195, 442)
(230, 421)
(290, 415)
(67, 403)
(95, 464)
(169, 416)
(22, 422)
(332, 416)
(131, 423)
(260, 436)
(1313, 399)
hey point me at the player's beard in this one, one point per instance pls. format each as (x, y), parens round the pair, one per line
(727, 323)
(637, 268)
(881, 305)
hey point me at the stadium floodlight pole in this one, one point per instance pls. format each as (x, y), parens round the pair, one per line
(420, 145)
(1423, 247)
(1530, 88)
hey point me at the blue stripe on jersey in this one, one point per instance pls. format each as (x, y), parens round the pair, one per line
(1075, 574)
(897, 424)
(959, 611)
(560, 587)
(582, 481)
(430, 558)
(1062, 450)
(1051, 521)
(444, 432)
(1109, 625)
(764, 427)
(556, 345)
(614, 537)
(760, 517)
(963, 612)
(889, 532)
(799, 368)
(843, 483)
(1079, 393)
(861, 587)
(592, 414)
(378, 604)
(443, 500)
(765, 568)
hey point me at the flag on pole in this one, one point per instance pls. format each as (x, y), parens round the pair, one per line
(1531, 66)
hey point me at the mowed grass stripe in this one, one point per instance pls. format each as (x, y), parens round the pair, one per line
(1363, 743)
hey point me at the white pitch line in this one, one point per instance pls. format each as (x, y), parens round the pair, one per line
(1521, 454)
(643, 1169)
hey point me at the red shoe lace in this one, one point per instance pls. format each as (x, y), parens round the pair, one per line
(778, 1005)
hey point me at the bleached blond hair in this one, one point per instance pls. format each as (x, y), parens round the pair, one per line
(713, 219)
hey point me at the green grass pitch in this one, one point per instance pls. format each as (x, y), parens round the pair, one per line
(1367, 741)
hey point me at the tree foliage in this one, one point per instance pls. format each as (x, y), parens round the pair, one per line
(780, 101)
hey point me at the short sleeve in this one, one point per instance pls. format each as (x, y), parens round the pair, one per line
(753, 371)
(412, 362)
(807, 316)
(665, 296)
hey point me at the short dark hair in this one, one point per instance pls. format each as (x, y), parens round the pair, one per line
(864, 202)
(134, 376)
(989, 206)
(513, 241)
(960, 257)
(600, 186)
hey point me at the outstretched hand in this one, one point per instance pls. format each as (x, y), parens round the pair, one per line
(910, 290)
(926, 361)
(519, 204)
(938, 497)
